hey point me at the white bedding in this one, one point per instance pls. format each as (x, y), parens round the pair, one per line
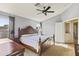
(32, 40)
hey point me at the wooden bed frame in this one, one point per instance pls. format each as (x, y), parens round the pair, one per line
(30, 30)
(26, 30)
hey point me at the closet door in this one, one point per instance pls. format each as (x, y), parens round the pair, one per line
(75, 32)
(59, 32)
(11, 27)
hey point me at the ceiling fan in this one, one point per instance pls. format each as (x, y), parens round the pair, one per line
(45, 10)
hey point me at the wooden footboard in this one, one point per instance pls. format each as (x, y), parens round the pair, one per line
(39, 52)
(40, 45)
(44, 41)
(33, 49)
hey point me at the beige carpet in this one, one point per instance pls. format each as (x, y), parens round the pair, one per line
(29, 53)
(59, 51)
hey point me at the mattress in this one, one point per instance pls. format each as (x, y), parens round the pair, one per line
(33, 40)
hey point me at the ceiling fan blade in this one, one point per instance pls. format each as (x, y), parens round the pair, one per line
(38, 9)
(50, 11)
(47, 9)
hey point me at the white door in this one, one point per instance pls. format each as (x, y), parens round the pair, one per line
(59, 32)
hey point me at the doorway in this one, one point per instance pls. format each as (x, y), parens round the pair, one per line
(71, 31)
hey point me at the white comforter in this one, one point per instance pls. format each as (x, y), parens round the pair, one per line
(33, 40)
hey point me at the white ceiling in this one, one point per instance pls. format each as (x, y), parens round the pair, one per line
(28, 10)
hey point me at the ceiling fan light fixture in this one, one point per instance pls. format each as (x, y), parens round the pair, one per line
(44, 10)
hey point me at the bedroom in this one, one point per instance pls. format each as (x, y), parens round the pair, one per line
(24, 20)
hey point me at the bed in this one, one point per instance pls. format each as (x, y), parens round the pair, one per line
(30, 39)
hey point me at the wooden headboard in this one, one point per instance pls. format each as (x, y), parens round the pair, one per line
(26, 30)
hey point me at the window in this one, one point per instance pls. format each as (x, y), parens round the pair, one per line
(4, 26)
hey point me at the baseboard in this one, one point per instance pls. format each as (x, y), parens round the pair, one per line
(66, 42)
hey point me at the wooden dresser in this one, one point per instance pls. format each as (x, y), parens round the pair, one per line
(10, 48)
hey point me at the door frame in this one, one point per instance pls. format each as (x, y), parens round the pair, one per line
(72, 20)
(12, 31)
